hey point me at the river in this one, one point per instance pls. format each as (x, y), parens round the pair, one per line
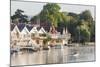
(54, 56)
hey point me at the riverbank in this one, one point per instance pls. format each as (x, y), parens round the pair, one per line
(81, 45)
(54, 56)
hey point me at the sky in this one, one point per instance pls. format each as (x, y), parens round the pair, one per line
(33, 8)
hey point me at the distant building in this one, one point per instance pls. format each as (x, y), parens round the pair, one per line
(25, 34)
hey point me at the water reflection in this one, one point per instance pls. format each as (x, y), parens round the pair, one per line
(65, 55)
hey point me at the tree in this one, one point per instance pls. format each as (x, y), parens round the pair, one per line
(92, 30)
(86, 15)
(34, 19)
(19, 17)
(83, 32)
(81, 25)
(45, 42)
(71, 24)
(51, 13)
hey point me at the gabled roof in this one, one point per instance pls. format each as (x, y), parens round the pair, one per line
(64, 31)
(15, 30)
(21, 26)
(42, 31)
(38, 28)
(29, 27)
(24, 31)
(34, 30)
(12, 27)
(67, 30)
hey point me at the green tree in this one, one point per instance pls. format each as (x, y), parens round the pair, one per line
(83, 32)
(45, 42)
(51, 13)
(85, 24)
(72, 22)
(19, 17)
(86, 15)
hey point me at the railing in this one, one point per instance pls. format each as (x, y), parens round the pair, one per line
(65, 36)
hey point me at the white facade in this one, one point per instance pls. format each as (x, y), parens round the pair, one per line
(42, 31)
(32, 42)
(34, 30)
(15, 33)
(25, 37)
(25, 33)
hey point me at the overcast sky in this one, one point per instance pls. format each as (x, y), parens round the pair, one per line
(33, 8)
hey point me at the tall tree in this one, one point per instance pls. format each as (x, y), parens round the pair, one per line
(83, 32)
(51, 13)
(72, 21)
(86, 15)
(19, 17)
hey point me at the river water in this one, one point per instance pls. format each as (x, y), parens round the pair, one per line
(54, 56)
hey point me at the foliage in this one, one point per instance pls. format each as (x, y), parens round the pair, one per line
(51, 13)
(86, 15)
(19, 17)
(45, 41)
(83, 33)
(81, 26)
